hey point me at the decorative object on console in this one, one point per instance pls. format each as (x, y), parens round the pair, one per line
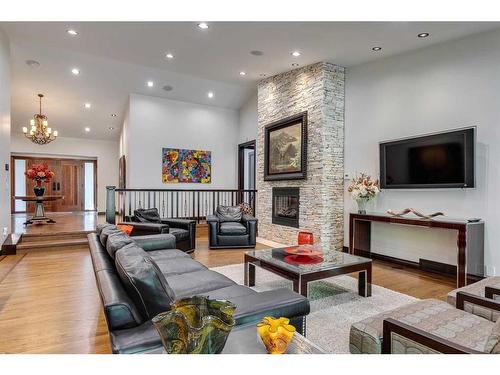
(246, 208)
(362, 189)
(39, 173)
(285, 149)
(195, 325)
(276, 334)
(415, 212)
(305, 238)
(186, 166)
(39, 131)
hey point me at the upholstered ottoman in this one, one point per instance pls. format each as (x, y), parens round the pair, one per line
(432, 316)
(478, 289)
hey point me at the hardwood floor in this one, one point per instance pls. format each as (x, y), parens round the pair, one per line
(49, 301)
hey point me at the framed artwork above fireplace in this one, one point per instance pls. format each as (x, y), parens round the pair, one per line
(285, 149)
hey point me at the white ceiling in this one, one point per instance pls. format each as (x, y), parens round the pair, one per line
(117, 59)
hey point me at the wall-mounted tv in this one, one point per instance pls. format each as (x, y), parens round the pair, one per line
(443, 160)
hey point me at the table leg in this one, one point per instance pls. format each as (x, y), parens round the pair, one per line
(296, 285)
(303, 287)
(365, 282)
(461, 261)
(249, 274)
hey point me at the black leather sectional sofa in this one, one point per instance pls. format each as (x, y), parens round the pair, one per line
(139, 277)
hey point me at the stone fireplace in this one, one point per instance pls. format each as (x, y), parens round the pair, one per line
(286, 206)
(317, 89)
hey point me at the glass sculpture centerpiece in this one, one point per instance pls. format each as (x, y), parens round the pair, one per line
(196, 325)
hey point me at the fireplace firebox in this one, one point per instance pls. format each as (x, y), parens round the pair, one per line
(286, 206)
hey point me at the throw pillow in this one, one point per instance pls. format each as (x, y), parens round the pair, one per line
(127, 229)
(103, 237)
(116, 241)
(149, 215)
(229, 213)
(246, 209)
(100, 227)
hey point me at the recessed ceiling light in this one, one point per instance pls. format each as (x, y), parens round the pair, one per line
(88, 105)
(203, 25)
(210, 94)
(111, 128)
(242, 73)
(169, 56)
(167, 88)
(423, 35)
(256, 53)
(75, 71)
(87, 129)
(377, 48)
(113, 115)
(263, 75)
(296, 53)
(72, 32)
(32, 63)
(295, 65)
(150, 83)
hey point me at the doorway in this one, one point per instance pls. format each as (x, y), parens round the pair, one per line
(75, 180)
(246, 166)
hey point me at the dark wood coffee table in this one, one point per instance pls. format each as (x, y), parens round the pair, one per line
(332, 263)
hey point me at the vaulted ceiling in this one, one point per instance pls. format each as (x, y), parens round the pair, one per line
(116, 59)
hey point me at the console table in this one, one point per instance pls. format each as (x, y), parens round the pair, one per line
(470, 241)
(39, 215)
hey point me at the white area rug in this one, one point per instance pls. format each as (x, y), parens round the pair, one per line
(335, 304)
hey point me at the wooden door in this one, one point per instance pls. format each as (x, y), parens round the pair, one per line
(70, 184)
(69, 181)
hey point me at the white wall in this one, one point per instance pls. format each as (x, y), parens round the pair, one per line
(441, 87)
(106, 153)
(4, 134)
(155, 123)
(248, 120)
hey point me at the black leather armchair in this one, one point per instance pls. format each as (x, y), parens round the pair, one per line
(184, 230)
(230, 228)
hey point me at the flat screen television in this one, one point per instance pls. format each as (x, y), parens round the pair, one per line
(444, 160)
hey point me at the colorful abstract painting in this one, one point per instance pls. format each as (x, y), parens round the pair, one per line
(186, 166)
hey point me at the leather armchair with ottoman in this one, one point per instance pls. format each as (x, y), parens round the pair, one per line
(139, 277)
(425, 327)
(184, 230)
(231, 228)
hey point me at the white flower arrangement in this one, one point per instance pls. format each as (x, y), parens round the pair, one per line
(363, 187)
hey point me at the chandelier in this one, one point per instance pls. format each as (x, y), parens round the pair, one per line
(39, 132)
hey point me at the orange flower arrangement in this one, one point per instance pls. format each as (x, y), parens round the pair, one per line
(39, 173)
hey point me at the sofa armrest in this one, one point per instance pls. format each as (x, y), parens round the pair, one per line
(213, 229)
(144, 229)
(212, 219)
(251, 223)
(429, 341)
(155, 242)
(189, 225)
(488, 303)
(246, 218)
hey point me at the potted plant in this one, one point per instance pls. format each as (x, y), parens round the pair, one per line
(362, 189)
(39, 173)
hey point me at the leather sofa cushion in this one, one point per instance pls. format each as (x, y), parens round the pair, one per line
(177, 266)
(149, 215)
(232, 228)
(116, 241)
(231, 292)
(143, 281)
(229, 213)
(105, 232)
(155, 242)
(168, 254)
(180, 234)
(136, 340)
(197, 282)
(100, 227)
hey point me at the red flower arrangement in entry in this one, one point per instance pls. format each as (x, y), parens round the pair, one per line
(39, 173)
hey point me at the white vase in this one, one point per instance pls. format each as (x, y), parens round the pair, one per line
(362, 205)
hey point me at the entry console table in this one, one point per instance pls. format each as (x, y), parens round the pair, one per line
(470, 242)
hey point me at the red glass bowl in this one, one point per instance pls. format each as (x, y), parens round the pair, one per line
(301, 259)
(304, 250)
(305, 238)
